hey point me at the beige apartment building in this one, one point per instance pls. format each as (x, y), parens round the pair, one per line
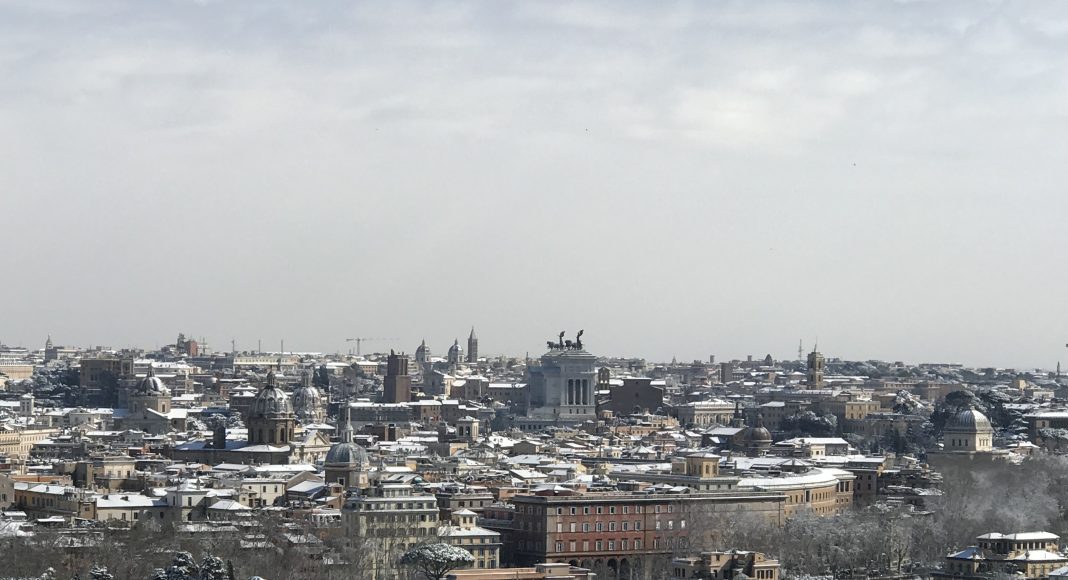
(16, 443)
(391, 518)
(484, 545)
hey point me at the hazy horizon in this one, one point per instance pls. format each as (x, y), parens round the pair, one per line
(678, 179)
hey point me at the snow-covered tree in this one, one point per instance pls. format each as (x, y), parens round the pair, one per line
(183, 567)
(212, 568)
(436, 560)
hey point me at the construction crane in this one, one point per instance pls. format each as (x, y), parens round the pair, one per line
(359, 341)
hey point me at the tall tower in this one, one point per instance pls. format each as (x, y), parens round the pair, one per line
(26, 405)
(815, 370)
(398, 385)
(472, 347)
(604, 378)
(422, 354)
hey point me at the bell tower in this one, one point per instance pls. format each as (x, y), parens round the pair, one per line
(472, 347)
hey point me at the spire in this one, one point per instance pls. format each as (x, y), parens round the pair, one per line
(344, 423)
(271, 380)
(472, 336)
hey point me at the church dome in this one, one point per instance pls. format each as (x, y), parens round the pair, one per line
(346, 454)
(758, 434)
(151, 385)
(970, 420)
(271, 400)
(307, 400)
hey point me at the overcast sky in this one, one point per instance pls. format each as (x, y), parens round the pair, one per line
(678, 179)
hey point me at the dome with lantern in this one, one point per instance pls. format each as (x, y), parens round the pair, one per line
(152, 385)
(308, 400)
(272, 400)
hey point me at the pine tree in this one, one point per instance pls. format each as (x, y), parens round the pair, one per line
(212, 568)
(183, 567)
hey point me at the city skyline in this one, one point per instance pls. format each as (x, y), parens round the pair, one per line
(439, 349)
(678, 179)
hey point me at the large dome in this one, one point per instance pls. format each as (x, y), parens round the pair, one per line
(307, 400)
(271, 400)
(758, 434)
(346, 454)
(151, 385)
(970, 420)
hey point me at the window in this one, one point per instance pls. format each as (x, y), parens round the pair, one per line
(586, 510)
(559, 528)
(637, 524)
(571, 527)
(612, 509)
(559, 546)
(626, 509)
(572, 511)
(600, 527)
(600, 509)
(626, 526)
(599, 545)
(611, 526)
(586, 527)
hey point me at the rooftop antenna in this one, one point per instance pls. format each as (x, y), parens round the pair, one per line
(800, 350)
